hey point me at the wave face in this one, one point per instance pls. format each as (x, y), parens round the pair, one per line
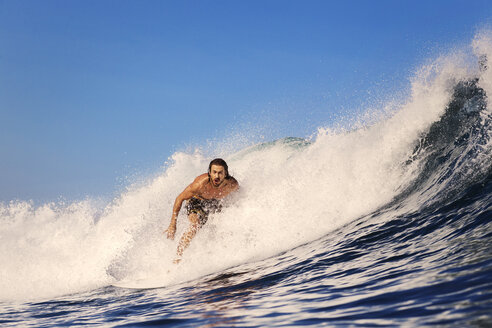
(384, 223)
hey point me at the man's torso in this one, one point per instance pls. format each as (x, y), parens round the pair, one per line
(207, 191)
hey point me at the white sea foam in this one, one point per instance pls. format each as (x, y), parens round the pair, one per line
(290, 194)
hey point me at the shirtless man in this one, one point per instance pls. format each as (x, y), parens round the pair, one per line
(203, 197)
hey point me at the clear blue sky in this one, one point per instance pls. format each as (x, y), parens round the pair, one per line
(93, 91)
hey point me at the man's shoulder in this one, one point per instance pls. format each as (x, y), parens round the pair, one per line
(232, 181)
(202, 178)
(198, 183)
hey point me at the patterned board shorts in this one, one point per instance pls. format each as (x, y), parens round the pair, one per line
(203, 207)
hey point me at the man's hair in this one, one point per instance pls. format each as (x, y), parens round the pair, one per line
(220, 162)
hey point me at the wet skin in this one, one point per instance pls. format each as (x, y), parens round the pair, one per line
(211, 185)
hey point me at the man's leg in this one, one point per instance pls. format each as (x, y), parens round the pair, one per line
(190, 233)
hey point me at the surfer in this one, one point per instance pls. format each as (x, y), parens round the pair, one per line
(204, 196)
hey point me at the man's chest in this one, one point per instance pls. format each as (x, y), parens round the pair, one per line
(207, 191)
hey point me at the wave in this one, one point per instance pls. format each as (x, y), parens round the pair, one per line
(423, 153)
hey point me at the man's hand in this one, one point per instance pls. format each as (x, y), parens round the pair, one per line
(171, 230)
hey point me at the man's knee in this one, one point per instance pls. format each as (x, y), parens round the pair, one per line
(193, 217)
(195, 220)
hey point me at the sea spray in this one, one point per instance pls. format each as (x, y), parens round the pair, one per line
(292, 192)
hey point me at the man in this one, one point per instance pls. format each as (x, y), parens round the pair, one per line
(203, 197)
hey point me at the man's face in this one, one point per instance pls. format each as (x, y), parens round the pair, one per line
(217, 175)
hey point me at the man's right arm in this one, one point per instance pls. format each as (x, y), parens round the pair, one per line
(189, 192)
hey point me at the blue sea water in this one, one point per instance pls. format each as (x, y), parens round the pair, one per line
(388, 223)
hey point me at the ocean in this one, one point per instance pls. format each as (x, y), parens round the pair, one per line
(386, 221)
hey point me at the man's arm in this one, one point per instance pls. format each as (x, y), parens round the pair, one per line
(189, 192)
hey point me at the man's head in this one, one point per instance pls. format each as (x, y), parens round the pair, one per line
(218, 171)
